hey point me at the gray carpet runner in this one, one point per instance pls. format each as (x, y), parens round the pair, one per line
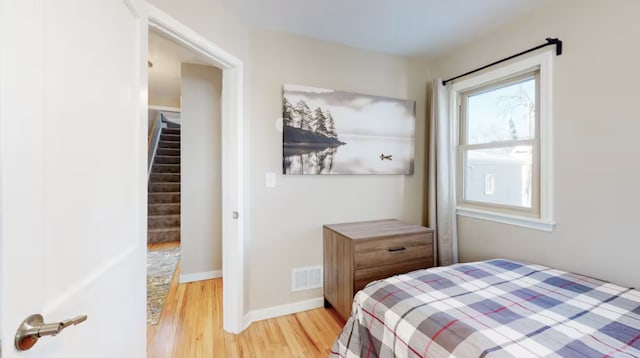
(164, 189)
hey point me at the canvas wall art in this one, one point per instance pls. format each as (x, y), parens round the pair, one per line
(336, 132)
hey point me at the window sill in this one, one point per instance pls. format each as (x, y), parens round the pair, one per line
(530, 223)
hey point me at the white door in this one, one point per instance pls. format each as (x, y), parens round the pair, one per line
(73, 173)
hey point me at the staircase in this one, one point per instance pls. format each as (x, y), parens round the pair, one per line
(164, 189)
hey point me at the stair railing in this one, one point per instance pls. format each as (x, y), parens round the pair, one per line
(152, 144)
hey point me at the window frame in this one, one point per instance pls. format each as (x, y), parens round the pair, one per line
(540, 215)
(464, 147)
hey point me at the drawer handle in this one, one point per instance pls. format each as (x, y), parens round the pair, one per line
(396, 249)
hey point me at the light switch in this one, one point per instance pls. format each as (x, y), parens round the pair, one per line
(270, 180)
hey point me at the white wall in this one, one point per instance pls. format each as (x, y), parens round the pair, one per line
(200, 227)
(596, 135)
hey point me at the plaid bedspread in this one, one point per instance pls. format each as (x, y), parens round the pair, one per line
(494, 308)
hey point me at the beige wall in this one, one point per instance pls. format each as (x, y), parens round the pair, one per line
(200, 227)
(286, 222)
(152, 115)
(595, 151)
(214, 20)
(596, 129)
(156, 99)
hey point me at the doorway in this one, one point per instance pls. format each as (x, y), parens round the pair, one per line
(232, 220)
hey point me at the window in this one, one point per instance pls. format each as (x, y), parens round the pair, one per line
(503, 151)
(498, 146)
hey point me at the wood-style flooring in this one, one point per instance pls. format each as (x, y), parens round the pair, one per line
(191, 326)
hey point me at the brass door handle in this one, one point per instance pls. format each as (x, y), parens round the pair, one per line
(34, 327)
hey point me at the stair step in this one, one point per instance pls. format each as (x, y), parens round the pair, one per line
(163, 209)
(172, 125)
(163, 235)
(165, 159)
(166, 168)
(163, 187)
(168, 144)
(171, 131)
(165, 177)
(170, 137)
(163, 221)
(168, 151)
(157, 198)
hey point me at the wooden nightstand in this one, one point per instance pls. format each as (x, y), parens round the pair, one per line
(360, 252)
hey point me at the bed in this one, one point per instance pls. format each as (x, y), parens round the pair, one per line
(496, 308)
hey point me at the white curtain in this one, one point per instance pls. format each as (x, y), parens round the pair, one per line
(441, 205)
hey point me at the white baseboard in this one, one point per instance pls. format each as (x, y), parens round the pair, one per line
(199, 276)
(277, 311)
(246, 321)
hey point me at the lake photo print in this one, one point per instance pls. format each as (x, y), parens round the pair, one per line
(336, 132)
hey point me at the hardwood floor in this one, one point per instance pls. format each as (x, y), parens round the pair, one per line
(191, 326)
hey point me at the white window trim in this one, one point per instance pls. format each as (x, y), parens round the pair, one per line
(544, 62)
(522, 221)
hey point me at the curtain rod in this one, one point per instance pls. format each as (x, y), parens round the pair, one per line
(550, 41)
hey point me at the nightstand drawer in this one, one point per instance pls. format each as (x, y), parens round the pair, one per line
(372, 253)
(363, 276)
(357, 253)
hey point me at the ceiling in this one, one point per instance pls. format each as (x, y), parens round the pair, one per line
(404, 27)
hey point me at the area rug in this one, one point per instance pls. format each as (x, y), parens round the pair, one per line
(161, 264)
